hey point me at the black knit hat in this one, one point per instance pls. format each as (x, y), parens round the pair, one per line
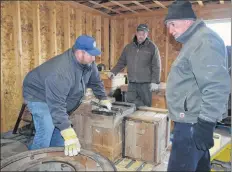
(180, 9)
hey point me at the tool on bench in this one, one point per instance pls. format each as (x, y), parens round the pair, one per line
(105, 108)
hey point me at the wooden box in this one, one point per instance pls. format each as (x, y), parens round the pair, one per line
(101, 131)
(146, 135)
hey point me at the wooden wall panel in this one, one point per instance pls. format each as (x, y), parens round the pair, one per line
(8, 65)
(33, 32)
(59, 28)
(160, 40)
(119, 39)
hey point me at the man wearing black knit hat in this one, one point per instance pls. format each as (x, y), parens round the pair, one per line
(197, 90)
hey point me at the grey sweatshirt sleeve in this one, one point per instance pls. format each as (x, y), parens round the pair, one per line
(96, 84)
(57, 89)
(121, 62)
(156, 66)
(210, 70)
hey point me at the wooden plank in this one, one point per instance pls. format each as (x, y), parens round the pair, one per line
(84, 8)
(160, 4)
(141, 5)
(121, 5)
(79, 14)
(2, 104)
(89, 24)
(98, 33)
(116, 11)
(106, 43)
(151, 109)
(66, 12)
(158, 13)
(112, 43)
(36, 34)
(126, 31)
(18, 44)
(52, 29)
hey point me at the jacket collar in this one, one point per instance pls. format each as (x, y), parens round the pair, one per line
(190, 31)
(77, 63)
(146, 42)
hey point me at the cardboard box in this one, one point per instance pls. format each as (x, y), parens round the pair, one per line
(101, 132)
(146, 136)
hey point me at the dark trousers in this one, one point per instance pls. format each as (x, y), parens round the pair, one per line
(184, 154)
(139, 94)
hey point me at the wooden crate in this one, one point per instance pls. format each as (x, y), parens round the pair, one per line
(159, 99)
(101, 133)
(146, 135)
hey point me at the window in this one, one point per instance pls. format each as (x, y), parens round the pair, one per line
(222, 27)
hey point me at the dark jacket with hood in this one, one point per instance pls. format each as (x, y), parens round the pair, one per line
(142, 61)
(61, 83)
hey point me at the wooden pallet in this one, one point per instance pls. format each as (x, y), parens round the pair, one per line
(126, 164)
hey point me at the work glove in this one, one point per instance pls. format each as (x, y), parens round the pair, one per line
(110, 75)
(71, 142)
(203, 134)
(106, 103)
(154, 87)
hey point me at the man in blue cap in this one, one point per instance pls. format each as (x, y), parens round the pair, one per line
(55, 89)
(197, 90)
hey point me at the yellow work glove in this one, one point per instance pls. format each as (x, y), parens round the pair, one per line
(71, 142)
(106, 103)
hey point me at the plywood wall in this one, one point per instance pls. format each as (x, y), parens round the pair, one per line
(34, 31)
(31, 33)
(168, 47)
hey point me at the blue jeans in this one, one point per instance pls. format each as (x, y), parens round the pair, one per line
(46, 135)
(184, 154)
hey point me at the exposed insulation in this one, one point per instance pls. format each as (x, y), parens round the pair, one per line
(59, 28)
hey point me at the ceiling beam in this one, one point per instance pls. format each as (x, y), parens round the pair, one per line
(200, 3)
(221, 2)
(93, 2)
(117, 3)
(160, 4)
(84, 7)
(141, 5)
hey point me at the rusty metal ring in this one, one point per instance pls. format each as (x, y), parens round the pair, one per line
(29, 160)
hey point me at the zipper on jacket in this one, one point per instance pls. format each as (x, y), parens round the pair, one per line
(135, 63)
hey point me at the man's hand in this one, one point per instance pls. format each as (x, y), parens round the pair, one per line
(203, 134)
(106, 103)
(154, 87)
(110, 75)
(71, 142)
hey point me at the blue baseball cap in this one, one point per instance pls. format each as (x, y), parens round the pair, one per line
(88, 44)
